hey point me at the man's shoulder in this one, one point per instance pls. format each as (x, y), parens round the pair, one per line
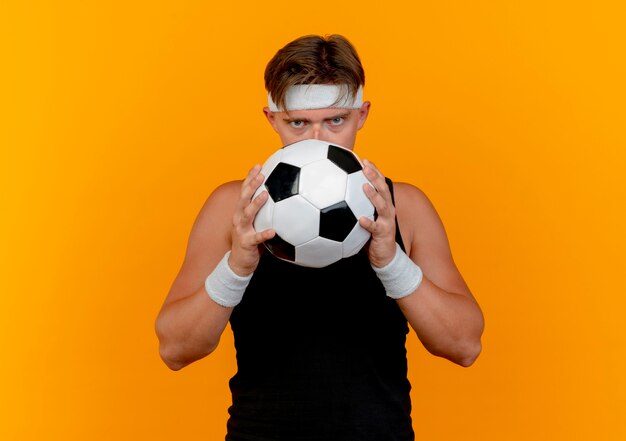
(417, 216)
(220, 204)
(225, 194)
(409, 196)
(227, 189)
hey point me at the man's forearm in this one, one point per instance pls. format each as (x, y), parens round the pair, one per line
(449, 325)
(190, 329)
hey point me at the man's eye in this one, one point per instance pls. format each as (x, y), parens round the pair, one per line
(296, 124)
(336, 121)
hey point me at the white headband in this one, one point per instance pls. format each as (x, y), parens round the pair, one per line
(318, 96)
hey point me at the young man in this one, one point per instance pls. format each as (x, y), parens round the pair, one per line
(320, 352)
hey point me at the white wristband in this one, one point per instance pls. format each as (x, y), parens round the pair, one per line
(401, 276)
(224, 286)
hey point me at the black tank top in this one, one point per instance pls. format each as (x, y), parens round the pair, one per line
(321, 356)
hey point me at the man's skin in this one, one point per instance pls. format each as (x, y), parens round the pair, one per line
(442, 310)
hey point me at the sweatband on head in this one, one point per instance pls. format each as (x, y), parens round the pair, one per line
(318, 96)
(401, 276)
(224, 286)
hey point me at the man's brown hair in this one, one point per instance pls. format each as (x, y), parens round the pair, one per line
(314, 59)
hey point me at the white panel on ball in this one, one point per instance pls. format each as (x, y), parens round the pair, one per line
(296, 220)
(356, 198)
(305, 152)
(264, 217)
(318, 253)
(323, 183)
(355, 240)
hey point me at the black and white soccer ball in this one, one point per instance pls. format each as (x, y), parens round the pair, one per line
(315, 201)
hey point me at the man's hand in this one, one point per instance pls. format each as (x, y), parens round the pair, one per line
(382, 245)
(245, 252)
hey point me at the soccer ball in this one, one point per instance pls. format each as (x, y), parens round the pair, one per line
(315, 201)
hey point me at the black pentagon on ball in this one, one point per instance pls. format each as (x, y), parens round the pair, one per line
(337, 221)
(281, 248)
(282, 182)
(344, 159)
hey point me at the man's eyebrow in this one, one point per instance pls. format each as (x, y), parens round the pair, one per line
(340, 115)
(288, 120)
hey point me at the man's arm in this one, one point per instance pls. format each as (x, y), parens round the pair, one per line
(442, 310)
(190, 323)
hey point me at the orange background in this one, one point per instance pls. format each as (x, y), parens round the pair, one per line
(119, 118)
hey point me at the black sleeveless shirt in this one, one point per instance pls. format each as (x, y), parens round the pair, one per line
(321, 356)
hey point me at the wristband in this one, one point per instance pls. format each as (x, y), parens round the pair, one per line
(224, 286)
(401, 276)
